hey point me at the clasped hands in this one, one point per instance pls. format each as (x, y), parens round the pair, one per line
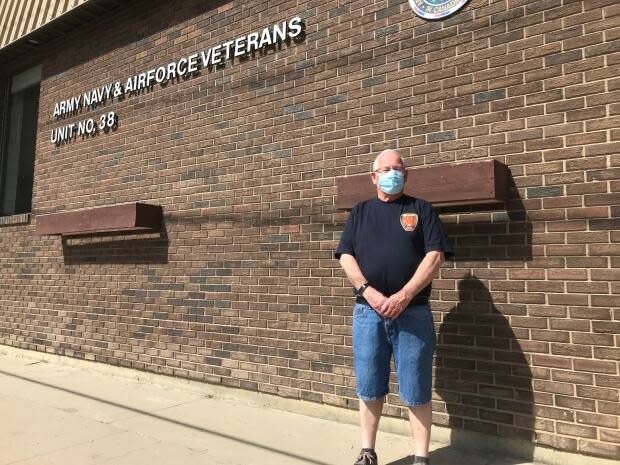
(389, 307)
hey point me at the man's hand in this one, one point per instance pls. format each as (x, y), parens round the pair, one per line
(427, 269)
(396, 303)
(374, 298)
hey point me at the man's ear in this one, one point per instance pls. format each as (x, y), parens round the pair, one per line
(406, 175)
(373, 177)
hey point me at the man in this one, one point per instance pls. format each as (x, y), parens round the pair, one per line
(391, 248)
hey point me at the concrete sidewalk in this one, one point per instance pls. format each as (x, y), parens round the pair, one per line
(55, 414)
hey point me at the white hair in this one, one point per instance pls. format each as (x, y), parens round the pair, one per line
(375, 164)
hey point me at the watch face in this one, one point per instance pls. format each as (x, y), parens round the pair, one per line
(436, 9)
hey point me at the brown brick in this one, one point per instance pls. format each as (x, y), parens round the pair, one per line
(595, 366)
(612, 408)
(586, 237)
(603, 249)
(567, 299)
(554, 387)
(585, 262)
(560, 442)
(582, 139)
(606, 300)
(575, 403)
(586, 188)
(554, 413)
(581, 287)
(608, 435)
(588, 212)
(599, 448)
(551, 361)
(559, 202)
(575, 225)
(595, 419)
(594, 339)
(607, 353)
(573, 377)
(611, 327)
(570, 429)
(602, 149)
(573, 350)
(605, 275)
(610, 395)
(547, 310)
(569, 325)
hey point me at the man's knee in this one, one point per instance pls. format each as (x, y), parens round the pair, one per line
(420, 409)
(374, 406)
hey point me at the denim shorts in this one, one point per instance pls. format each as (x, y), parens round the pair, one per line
(410, 338)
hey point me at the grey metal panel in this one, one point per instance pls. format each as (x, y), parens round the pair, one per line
(20, 17)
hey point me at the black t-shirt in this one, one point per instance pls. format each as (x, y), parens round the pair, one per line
(390, 239)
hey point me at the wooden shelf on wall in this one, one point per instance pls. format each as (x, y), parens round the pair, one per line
(130, 217)
(454, 185)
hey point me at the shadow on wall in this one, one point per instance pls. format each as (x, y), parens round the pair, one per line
(154, 20)
(148, 18)
(483, 376)
(481, 234)
(110, 249)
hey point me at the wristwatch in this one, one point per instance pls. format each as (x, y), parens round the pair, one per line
(360, 290)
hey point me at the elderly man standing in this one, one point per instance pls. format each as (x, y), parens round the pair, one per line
(391, 249)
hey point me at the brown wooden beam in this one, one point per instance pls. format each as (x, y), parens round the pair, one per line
(464, 184)
(131, 217)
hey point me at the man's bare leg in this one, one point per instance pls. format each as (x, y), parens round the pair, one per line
(370, 414)
(420, 419)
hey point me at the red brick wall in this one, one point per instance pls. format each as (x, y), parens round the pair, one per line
(242, 289)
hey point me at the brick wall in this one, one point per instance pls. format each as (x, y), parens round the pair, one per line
(241, 289)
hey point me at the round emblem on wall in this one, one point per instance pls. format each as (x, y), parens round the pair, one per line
(436, 9)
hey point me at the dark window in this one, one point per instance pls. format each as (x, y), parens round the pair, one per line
(20, 111)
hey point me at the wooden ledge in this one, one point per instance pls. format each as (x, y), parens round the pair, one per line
(131, 217)
(464, 184)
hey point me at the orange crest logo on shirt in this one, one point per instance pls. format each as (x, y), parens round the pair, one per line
(409, 221)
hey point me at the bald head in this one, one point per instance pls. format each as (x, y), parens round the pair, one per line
(388, 157)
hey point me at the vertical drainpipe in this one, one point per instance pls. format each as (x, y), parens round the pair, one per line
(4, 128)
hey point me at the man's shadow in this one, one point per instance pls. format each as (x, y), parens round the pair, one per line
(484, 381)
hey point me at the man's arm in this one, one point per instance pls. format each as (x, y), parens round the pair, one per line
(351, 268)
(395, 304)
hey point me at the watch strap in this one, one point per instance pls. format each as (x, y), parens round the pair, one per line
(360, 290)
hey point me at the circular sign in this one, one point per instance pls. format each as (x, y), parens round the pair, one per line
(436, 9)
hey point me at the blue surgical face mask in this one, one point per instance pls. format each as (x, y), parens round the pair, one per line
(391, 182)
